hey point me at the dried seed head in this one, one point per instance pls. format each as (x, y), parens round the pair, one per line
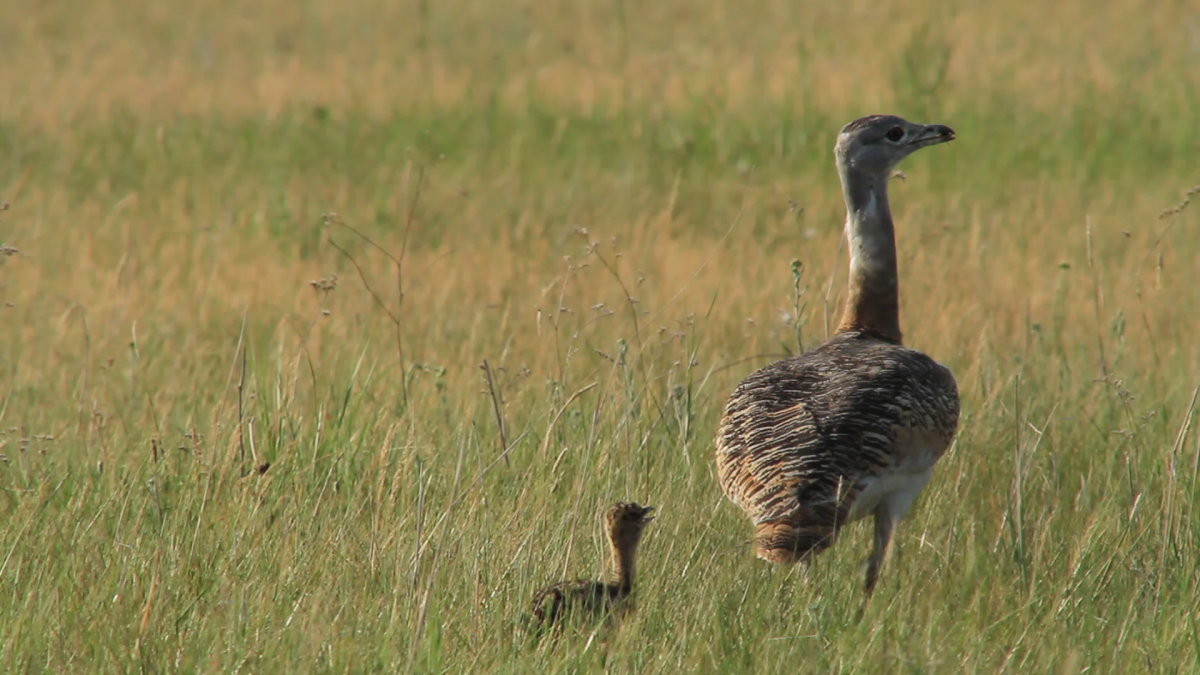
(324, 284)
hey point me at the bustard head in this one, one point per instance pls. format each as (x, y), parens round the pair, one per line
(625, 522)
(875, 144)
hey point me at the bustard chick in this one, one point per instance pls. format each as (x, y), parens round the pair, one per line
(624, 523)
(854, 427)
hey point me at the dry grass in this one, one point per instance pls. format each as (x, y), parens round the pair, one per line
(169, 166)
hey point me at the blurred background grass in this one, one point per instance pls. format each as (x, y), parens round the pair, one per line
(170, 168)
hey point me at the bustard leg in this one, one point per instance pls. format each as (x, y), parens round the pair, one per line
(884, 524)
(804, 565)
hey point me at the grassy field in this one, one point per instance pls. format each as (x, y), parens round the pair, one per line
(291, 233)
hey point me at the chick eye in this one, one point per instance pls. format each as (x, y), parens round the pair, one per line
(895, 134)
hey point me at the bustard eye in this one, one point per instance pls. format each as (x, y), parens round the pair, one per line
(895, 134)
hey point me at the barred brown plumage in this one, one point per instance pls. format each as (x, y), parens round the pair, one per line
(855, 426)
(624, 523)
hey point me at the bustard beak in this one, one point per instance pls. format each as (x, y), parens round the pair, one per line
(932, 135)
(646, 517)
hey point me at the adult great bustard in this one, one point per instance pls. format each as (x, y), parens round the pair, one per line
(853, 427)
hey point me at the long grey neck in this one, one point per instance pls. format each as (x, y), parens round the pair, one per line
(874, 300)
(624, 562)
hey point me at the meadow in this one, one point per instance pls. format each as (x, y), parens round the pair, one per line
(327, 330)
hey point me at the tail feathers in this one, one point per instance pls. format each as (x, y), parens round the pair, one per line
(809, 529)
(789, 541)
